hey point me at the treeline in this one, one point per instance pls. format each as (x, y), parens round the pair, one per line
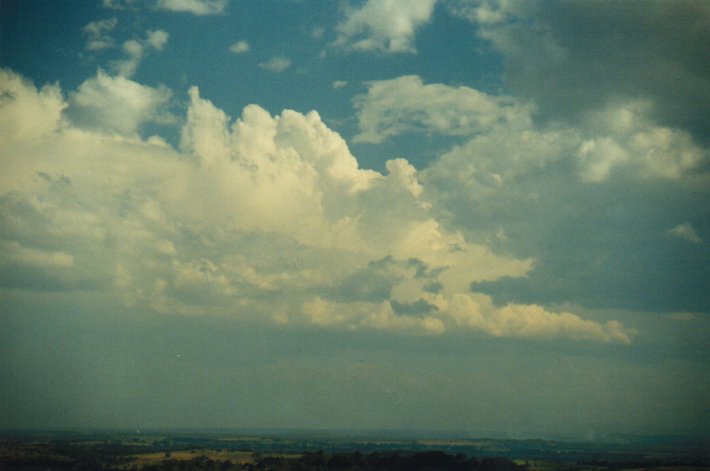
(388, 461)
(319, 461)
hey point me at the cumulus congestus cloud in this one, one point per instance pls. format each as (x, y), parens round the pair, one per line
(262, 217)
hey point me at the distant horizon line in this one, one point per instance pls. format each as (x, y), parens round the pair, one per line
(394, 434)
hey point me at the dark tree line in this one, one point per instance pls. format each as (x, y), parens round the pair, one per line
(385, 461)
(319, 461)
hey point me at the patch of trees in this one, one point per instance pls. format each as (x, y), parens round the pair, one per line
(320, 461)
(199, 463)
(387, 461)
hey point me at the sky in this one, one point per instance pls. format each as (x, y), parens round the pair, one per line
(471, 216)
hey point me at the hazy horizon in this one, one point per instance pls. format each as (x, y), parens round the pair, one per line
(366, 214)
(392, 436)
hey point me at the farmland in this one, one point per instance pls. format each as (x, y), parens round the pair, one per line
(288, 450)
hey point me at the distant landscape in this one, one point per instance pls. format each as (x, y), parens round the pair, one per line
(290, 450)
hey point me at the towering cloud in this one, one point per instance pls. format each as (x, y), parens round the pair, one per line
(264, 217)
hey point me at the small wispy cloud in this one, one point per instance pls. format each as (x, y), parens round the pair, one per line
(119, 4)
(240, 47)
(686, 232)
(318, 32)
(157, 39)
(135, 50)
(96, 32)
(683, 316)
(276, 64)
(196, 7)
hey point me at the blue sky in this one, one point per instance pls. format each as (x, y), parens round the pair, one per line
(457, 215)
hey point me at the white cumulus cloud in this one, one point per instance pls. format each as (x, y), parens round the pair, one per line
(406, 104)
(619, 137)
(384, 25)
(117, 104)
(26, 112)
